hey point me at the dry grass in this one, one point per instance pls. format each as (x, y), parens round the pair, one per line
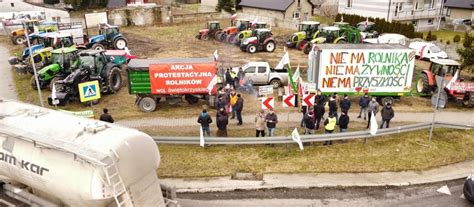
(382, 154)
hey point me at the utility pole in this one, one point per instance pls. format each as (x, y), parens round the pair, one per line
(33, 64)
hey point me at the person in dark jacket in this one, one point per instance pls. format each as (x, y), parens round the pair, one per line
(387, 115)
(309, 123)
(343, 121)
(304, 110)
(204, 119)
(221, 122)
(106, 116)
(319, 98)
(345, 103)
(228, 78)
(239, 106)
(271, 119)
(364, 103)
(221, 102)
(333, 107)
(319, 113)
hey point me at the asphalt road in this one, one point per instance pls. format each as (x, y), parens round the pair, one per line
(7, 85)
(421, 195)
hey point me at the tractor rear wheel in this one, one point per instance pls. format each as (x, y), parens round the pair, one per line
(19, 40)
(251, 48)
(422, 85)
(468, 100)
(120, 43)
(341, 42)
(98, 46)
(147, 104)
(270, 46)
(114, 79)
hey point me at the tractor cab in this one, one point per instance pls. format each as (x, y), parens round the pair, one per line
(260, 25)
(339, 24)
(309, 27)
(56, 40)
(367, 29)
(444, 67)
(93, 61)
(66, 58)
(242, 24)
(109, 37)
(330, 33)
(213, 25)
(108, 31)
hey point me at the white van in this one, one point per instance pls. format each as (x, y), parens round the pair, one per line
(427, 50)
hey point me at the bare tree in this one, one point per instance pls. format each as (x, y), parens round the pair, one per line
(328, 10)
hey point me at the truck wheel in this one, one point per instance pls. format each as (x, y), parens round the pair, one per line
(98, 46)
(469, 100)
(19, 40)
(120, 43)
(423, 86)
(191, 99)
(275, 83)
(114, 79)
(468, 190)
(307, 48)
(270, 46)
(251, 49)
(53, 81)
(147, 104)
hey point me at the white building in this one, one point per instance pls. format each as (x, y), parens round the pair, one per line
(8, 8)
(423, 14)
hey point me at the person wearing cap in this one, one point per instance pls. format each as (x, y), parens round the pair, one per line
(343, 121)
(387, 115)
(319, 113)
(372, 108)
(221, 122)
(345, 103)
(329, 126)
(364, 103)
(260, 123)
(271, 119)
(309, 123)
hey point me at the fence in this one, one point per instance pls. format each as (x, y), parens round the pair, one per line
(307, 138)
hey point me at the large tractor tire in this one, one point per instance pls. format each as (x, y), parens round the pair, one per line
(251, 48)
(468, 100)
(302, 44)
(468, 190)
(270, 46)
(341, 42)
(205, 37)
(231, 39)
(147, 104)
(120, 43)
(98, 46)
(19, 40)
(423, 85)
(113, 79)
(307, 48)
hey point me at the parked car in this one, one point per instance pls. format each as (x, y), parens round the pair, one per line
(467, 22)
(260, 73)
(388, 38)
(427, 50)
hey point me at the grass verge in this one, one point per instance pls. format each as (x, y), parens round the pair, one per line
(394, 153)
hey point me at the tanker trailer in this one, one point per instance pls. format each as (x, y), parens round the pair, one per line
(74, 161)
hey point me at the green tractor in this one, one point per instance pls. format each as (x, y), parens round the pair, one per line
(248, 32)
(307, 31)
(94, 65)
(334, 35)
(64, 61)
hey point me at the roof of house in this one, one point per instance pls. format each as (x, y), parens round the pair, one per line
(277, 5)
(465, 4)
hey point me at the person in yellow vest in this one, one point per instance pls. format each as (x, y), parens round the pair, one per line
(329, 126)
(233, 101)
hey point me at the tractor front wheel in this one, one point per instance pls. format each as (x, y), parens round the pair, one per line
(147, 104)
(98, 46)
(114, 79)
(120, 43)
(252, 48)
(302, 44)
(341, 42)
(205, 37)
(423, 86)
(270, 46)
(19, 40)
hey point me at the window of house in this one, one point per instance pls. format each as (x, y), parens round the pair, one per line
(418, 5)
(430, 21)
(349, 4)
(448, 12)
(414, 23)
(398, 8)
(432, 4)
(12, 4)
(296, 15)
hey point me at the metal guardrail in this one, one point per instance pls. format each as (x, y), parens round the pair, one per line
(307, 138)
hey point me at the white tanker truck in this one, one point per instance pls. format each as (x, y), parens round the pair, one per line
(74, 161)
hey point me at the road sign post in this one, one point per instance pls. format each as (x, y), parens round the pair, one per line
(435, 101)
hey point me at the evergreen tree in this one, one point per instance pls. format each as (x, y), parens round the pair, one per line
(226, 5)
(467, 52)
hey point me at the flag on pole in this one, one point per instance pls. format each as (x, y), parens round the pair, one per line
(127, 51)
(201, 137)
(285, 60)
(455, 77)
(421, 52)
(367, 22)
(296, 137)
(216, 55)
(373, 124)
(212, 84)
(234, 16)
(296, 75)
(254, 23)
(300, 87)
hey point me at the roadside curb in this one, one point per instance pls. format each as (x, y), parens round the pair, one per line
(322, 180)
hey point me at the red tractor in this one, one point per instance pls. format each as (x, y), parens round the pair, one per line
(261, 40)
(459, 90)
(212, 28)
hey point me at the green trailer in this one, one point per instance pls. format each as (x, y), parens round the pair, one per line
(152, 80)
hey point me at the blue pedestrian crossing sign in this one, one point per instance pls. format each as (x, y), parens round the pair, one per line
(89, 91)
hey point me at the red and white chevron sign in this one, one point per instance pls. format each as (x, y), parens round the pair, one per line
(268, 103)
(289, 101)
(308, 100)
